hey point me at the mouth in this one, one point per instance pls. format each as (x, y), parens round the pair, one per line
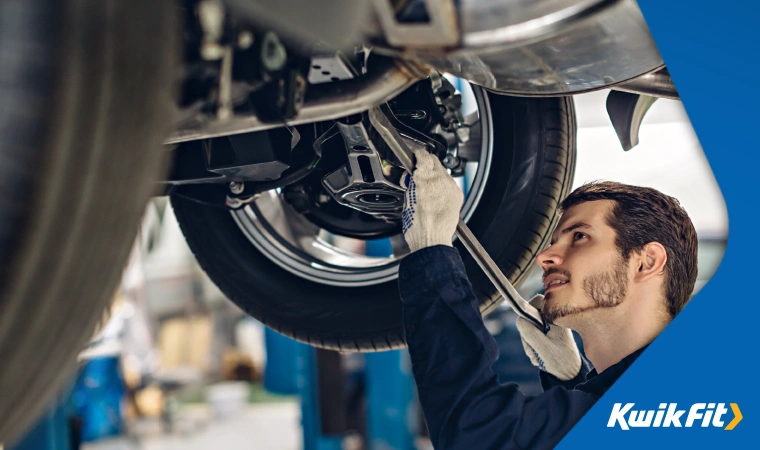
(554, 281)
(555, 285)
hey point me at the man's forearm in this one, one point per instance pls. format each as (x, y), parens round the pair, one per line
(440, 308)
(450, 348)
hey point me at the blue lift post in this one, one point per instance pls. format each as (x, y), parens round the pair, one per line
(291, 369)
(392, 409)
(393, 413)
(313, 439)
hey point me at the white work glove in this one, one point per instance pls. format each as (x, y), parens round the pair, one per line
(554, 352)
(432, 204)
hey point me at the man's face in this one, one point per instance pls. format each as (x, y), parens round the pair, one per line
(583, 268)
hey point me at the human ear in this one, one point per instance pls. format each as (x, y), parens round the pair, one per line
(652, 260)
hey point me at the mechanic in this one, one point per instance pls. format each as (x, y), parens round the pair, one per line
(621, 264)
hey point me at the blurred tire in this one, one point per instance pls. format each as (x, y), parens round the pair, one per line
(84, 102)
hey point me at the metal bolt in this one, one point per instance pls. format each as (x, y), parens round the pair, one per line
(245, 40)
(211, 51)
(448, 161)
(233, 202)
(237, 187)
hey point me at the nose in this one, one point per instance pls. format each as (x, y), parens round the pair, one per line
(550, 257)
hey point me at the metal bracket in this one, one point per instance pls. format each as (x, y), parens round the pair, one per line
(362, 183)
(441, 30)
(627, 111)
(325, 69)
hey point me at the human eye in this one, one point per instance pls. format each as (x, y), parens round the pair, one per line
(578, 236)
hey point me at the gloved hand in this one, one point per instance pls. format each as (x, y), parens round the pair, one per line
(432, 204)
(554, 352)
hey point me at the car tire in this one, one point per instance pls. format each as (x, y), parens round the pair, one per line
(84, 104)
(531, 171)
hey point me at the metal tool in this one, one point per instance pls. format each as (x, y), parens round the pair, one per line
(524, 309)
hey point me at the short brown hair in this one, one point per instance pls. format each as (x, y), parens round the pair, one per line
(642, 215)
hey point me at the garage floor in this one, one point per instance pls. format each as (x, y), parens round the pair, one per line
(259, 427)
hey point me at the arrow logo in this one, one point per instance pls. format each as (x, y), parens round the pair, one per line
(737, 417)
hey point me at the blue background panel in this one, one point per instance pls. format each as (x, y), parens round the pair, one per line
(708, 354)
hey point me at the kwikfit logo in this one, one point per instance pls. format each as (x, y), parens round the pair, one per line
(668, 415)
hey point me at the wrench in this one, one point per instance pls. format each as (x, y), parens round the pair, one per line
(380, 122)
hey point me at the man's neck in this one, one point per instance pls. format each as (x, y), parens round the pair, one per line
(611, 334)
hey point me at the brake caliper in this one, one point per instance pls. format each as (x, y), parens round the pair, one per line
(451, 125)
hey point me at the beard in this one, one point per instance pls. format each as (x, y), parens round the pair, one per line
(604, 290)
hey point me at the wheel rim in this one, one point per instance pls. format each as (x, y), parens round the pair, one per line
(297, 245)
